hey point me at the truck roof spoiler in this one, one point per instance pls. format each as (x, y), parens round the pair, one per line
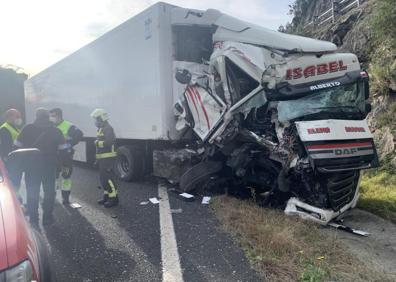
(233, 29)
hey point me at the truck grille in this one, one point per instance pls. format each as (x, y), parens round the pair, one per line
(341, 188)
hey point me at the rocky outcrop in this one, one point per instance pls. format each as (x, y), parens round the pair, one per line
(385, 141)
(350, 31)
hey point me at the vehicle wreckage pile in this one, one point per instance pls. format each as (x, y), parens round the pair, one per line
(278, 115)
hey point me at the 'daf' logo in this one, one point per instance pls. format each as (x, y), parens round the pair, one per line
(341, 152)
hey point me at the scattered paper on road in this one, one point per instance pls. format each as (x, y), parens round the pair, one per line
(144, 203)
(206, 200)
(187, 196)
(154, 201)
(75, 205)
(176, 211)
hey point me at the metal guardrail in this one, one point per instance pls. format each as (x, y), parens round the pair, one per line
(338, 7)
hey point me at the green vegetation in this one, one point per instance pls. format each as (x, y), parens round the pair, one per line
(378, 193)
(299, 10)
(387, 117)
(378, 187)
(383, 49)
(284, 248)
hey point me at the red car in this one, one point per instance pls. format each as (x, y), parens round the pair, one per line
(23, 254)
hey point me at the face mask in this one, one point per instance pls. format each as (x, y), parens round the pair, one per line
(18, 122)
(53, 120)
(98, 124)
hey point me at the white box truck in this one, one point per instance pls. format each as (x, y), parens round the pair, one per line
(220, 102)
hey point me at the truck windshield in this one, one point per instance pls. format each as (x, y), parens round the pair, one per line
(338, 101)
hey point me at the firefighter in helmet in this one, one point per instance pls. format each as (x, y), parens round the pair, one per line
(105, 157)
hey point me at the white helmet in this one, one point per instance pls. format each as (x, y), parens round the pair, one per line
(100, 113)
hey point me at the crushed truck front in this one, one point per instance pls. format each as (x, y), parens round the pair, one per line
(279, 115)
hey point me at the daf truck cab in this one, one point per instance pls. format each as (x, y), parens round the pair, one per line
(283, 114)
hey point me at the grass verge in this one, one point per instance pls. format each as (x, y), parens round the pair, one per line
(283, 248)
(378, 194)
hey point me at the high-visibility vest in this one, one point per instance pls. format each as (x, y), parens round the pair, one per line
(64, 126)
(103, 151)
(14, 132)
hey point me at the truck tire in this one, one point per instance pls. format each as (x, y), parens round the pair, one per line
(129, 165)
(198, 174)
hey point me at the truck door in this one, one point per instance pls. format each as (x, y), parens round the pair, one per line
(206, 110)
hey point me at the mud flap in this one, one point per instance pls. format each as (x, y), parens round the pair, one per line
(198, 173)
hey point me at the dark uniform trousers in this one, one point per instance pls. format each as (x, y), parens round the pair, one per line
(106, 176)
(106, 156)
(36, 176)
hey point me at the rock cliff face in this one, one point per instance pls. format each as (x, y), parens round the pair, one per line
(350, 31)
(353, 31)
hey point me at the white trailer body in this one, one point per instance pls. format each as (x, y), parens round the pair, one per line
(127, 71)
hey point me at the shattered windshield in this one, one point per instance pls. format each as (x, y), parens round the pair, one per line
(343, 99)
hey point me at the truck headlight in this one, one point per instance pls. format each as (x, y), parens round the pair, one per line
(23, 272)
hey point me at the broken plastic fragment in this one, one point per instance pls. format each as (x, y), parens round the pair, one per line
(144, 203)
(348, 229)
(187, 196)
(206, 200)
(176, 210)
(75, 205)
(154, 201)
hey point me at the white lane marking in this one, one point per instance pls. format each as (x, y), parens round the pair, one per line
(171, 269)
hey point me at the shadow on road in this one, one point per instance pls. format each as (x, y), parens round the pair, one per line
(79, 251)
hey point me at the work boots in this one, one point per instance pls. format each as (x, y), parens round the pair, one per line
(104, 199)
(65, 197)
(111, 202)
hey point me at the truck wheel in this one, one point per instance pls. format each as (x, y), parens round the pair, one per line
(198, 174)
(129, 165)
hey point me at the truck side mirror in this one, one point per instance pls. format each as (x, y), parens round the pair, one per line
(367, 107)
(178, 109)
(366, 89)
(365, 78)
(183, 76)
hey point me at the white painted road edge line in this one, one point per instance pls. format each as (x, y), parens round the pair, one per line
(171, 268)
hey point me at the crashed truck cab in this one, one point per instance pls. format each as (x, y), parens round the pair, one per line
(280, 115)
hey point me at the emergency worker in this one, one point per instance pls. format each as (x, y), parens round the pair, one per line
(72, 135)
(43, 135)
(105, 157)
(9, 132)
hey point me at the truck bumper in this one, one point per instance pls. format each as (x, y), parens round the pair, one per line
(322, 216)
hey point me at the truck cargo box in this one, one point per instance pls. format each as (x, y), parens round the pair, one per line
(127, 71)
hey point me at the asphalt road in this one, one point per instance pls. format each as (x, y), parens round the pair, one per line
(136, 242)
